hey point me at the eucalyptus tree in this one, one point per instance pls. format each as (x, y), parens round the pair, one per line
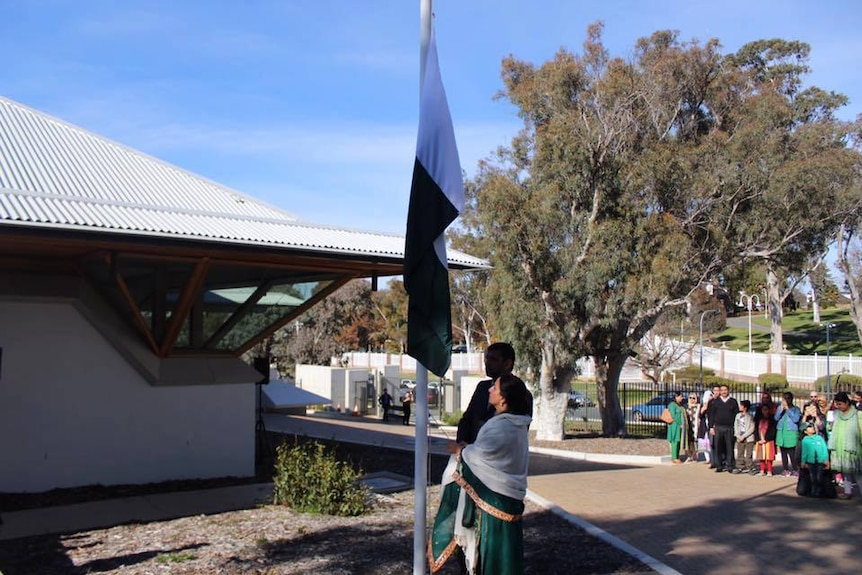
(850, 266)
(390, 308)
(470, 313)
(344, 321)
(600, 211)
(796, 167)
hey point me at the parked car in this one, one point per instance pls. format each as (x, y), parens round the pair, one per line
(651, 410)
(459, 349)
(578, 399)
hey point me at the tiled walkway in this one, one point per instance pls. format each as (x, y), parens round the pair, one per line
(686, 516)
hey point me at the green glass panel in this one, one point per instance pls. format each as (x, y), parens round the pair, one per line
(277, 303)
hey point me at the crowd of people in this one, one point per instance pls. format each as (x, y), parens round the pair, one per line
(820, 444)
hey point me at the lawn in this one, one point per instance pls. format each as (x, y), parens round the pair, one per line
(802, 335)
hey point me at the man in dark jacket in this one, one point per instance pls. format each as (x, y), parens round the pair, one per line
(499, 360)
(722, 412)
(385, 402)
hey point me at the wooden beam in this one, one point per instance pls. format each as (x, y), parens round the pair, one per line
(237, 315)
(184, 305)
(273, 327)
(228, 254)
(137, 316)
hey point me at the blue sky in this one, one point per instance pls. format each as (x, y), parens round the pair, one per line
(312, 105)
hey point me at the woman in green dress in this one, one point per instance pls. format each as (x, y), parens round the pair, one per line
(677, 432)
(845, 444)
(485, 484)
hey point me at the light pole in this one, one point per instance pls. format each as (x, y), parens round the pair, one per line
(747, 300)
(700, 339)
(829, 326)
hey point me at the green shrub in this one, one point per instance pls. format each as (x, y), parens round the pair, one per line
(692, 373)
(840, 382)
(691, 378)
(772, 381)
(451, 418)
(310, 479)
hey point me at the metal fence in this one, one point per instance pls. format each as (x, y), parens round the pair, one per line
(799, 369)
(641, 402)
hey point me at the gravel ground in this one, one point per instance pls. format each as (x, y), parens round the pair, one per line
(276, 540)
(272, 540)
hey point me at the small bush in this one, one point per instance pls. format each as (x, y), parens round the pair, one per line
(772, 381)
(840, 382)
(310, 479)
(691, 378)
(451, 418)
(692, 372)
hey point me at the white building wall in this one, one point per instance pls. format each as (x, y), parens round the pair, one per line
(320, 379)
(346, 387)
(468, 388)
(74, 412)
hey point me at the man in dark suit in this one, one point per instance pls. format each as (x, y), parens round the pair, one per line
(499, 360)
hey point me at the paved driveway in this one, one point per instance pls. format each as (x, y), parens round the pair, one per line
(687, 516)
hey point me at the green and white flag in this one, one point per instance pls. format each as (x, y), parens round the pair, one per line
(436, 199)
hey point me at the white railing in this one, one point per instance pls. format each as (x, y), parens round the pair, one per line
(726, 362)
(797, 368)
(469, 362)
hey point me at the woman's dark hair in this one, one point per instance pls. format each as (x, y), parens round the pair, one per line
(842, 397)
(518, 399)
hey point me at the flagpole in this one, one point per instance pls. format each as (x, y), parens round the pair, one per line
(420, 442)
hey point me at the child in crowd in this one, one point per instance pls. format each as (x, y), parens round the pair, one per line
(764, 446)
(743, 430)
(815, 457)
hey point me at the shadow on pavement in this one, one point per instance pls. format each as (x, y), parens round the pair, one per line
(770, 533)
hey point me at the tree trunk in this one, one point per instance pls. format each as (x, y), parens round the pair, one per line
(608, 369)
(549, 413)
(853, 278)
(856, 314)
(776, 312)
(815, 306)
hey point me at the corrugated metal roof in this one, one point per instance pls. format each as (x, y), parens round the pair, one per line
(55, 175)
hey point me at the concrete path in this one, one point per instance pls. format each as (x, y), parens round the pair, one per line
(686, 516)
(741, 322)
(699, 521)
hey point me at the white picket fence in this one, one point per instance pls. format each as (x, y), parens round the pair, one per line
(469, 362)
(799, 369)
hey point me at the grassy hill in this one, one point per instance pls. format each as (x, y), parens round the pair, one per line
(801, 335)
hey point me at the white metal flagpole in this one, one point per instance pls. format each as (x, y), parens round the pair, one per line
(420, 451)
